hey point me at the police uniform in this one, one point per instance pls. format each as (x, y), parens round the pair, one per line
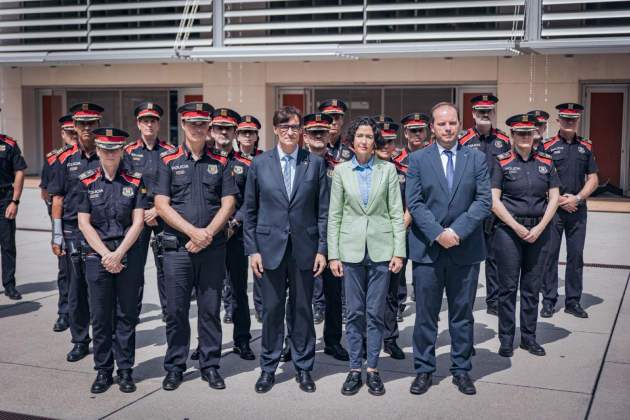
(72, 162)
(139, 158)
(62, 273)
(574, 160)
(524, 186)
(492, 145)
(195, 189)
(11, 161)
(338, 150)
(113, 297)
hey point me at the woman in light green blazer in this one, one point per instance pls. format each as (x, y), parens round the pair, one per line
(366, 241)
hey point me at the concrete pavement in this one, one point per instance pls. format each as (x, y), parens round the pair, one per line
(586, 370)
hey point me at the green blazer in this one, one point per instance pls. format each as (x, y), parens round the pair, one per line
(352, 226)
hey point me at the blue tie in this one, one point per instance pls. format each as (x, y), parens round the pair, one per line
(286, 173)
(450, 169)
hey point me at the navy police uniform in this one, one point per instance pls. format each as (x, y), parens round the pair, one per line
(195, 189)
(138, 157)
(492, 145)
(524, 186)
(113, 297)
(574, 160)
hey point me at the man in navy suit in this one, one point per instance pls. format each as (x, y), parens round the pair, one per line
(448, 196)
(284, 231)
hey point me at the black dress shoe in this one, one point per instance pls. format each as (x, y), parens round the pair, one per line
(227, 319)
(102, 382)
(265, 382)
(318, 315)
(195, 354)
(213, 377)
(12, 293)
(421, 384)
(338, 352)
(285, 356)
(391, 348)
(492, 310)
(243, 350)
(576, 310)
(303, 377)
(78, 352)
(375, 384)
(506, 350)
(353, 383)
(546, 311)
(125, 381)
(61, 324)
(172, 381)
(464, 384)
(533, 347)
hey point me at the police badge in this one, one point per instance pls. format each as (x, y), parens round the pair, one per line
(330, 172)
(238, 170)
(345, 154)
(127, 191)
(2, 147)
(543, 169)
(581, 149)
(498, 144)
(213, 169)
(401, 178)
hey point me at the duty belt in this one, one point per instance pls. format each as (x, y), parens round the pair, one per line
(528, 221)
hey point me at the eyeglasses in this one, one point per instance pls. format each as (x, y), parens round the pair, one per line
(284, 128)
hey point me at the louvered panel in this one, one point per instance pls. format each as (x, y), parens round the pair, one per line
(421, 36)
(146, 44)
(562, 19)
(441, 5)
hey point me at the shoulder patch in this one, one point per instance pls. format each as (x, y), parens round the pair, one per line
(132, 146)
(547, 143)
(501, 135)
(219, 157)
(505, 158)
(51, 158)
(132, 178)
(243, 158)
(468, 135)
(67, 152)
(544, 158)
(89, 176)
(504, 155)
(169, 155)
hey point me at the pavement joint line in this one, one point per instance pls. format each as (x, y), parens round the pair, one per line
(614, 362)
(44, 367)
(24, 302)
(129, 404)
(601, 366)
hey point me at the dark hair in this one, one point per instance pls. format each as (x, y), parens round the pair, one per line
(284, 114)
(440, 105)
(359, 122)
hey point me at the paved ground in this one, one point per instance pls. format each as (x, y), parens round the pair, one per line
(586, 372)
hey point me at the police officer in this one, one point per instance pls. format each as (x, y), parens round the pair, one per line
(69, 138)
(492, 142)
(12, 166)
(111, 218)
(143, 156)
(316, 136)
(337, 147)
(577, 170)
(226, 126)
(195, 196)
(524, 198)
(541, 126)
(65, 189)
(389, 134)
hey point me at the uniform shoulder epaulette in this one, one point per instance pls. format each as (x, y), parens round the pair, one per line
(547, 143)
(501, 135)
(89, 176)
(53, 152)
(544, 155)
(132, 177)
(132, 146)
(544, 158)
(51, 156)
(8, 140)
(66, 152)
(586, 143)
(169, 155)
(469, 134)
(219, 155)
(166, 145)
(402, 155)
(396, 153)
(505, 158)
(243, 157)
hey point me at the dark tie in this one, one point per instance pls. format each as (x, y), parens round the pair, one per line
(286, 173)
(450, 169)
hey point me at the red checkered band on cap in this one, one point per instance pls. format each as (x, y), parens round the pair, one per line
(245, 125)
(224, 120)
(148, 113)
(67, 124)
(196, 114)
(86, 113)
(484, 104)
(329, 109)
(110, 139)
(388, 133)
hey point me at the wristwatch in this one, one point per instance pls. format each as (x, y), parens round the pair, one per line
(17, 202)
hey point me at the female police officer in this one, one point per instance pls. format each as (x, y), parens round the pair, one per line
(524, 198)
(111, 217)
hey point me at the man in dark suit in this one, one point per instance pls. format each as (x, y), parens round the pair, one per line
(448, 196)
(286, 212)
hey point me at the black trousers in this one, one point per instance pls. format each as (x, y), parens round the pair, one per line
(492, 275)
(391, 333)
(519, 261)
(7, 242)
(402, 283)
(78, 295)
(114, 305)
(258, 301)
(460, 282)
(236, 264)
(63, 280)
(205, 272)
(573, 226)
(142, 248)
(301, 331)
(331, 287)
(319, 299)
